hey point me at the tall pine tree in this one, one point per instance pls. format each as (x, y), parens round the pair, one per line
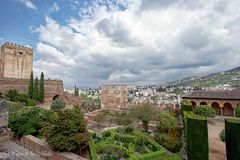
(41, 88)
(35, 90)
(30, 86)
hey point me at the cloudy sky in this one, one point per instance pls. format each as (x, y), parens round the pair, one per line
(91, 42)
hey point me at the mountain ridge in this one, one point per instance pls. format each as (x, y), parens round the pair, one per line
(230, 77)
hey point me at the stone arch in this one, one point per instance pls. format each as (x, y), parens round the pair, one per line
(203, 103)
(193, 104)
(56, 97)
(238, 104)
(227, 109)
(217, 108)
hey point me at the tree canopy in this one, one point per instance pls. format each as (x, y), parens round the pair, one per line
(145, 113)
(68, 131)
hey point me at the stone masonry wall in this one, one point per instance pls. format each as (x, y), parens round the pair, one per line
(4, 138)
(16, 61)
(51, 87)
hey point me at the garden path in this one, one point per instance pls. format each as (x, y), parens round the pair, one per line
(217, 149)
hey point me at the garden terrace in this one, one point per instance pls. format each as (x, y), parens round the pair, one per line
(127, 143)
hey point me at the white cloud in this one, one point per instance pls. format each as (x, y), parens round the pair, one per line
(141, 44)
(28, 4)
(55, 7)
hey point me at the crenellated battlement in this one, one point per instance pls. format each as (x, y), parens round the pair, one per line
(17, 46)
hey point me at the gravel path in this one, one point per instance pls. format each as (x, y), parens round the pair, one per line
(217, 149)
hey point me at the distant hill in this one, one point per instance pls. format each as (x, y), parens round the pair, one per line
(231, 77)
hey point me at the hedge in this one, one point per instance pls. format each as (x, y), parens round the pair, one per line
(153, 155)
(93, 151)
(186, 106)
(232, 133)
(197, 138)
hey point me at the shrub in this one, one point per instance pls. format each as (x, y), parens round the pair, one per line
(166, 122)
(22, 97)
(186, 105)
(222, 135)
(11, 95)
(170, 141)
(57, 104)
(31, 102)
(197, 138)
(205, 110)
(237, 111)
(28, 120)
(232, 132)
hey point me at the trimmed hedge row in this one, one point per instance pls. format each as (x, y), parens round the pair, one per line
(232, 133)
(109, 141)
(197, 140)
(186, 106)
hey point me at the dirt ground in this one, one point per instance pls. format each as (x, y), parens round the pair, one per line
(217, 149)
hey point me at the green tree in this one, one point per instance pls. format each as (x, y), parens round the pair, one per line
(237, 111)
(41, 88)
(68, 131)
(166, 122)
(145, 113)
(35, 95)
(167, 134)
(205, 110)
(76, 91)
(30, 86)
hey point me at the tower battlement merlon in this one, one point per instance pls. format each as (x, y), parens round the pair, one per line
(17, 46)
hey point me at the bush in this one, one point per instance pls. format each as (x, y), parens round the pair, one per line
(237, 111)
(232, 132)
(31, 102)
(166, 122)
(197, 138)
(205, 110)
(21, 97)
(11, 95)
(186, 105)
(170, 141)
(57, 104)
(222, 135)
(28, 120)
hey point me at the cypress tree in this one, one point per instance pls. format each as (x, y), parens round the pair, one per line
(30, 86)
(76, 92)
(35, 90)
(41, 88)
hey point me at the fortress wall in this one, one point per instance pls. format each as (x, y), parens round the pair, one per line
(51, 87)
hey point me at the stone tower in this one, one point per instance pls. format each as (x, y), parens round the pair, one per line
(16, 61)
(114, 96)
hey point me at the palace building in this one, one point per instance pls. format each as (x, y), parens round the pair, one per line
(223, 101)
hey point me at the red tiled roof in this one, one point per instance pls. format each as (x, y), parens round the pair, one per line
(220, 94)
